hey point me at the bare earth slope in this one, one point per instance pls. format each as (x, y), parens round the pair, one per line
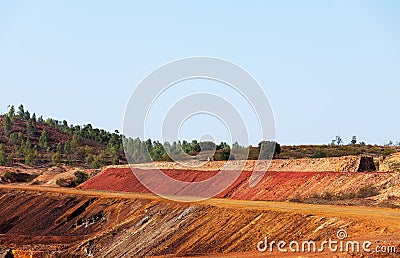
(116, 224)
(275, 186)
(335, 164)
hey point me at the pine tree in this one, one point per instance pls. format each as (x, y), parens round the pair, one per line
(21, 111)
(44, 139)
(27, 115)
(56, 158)
(31, 157)
(67, 147)
(30, 127)
(28, 145)
(69, 160)
(11, 112)
(6, 125)
(3, 157)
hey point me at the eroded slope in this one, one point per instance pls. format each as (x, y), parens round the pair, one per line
(102, 226)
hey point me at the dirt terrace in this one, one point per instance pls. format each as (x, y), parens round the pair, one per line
(276, 186)
(61, 221)
(336, 164)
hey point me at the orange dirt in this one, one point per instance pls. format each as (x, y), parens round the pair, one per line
(336, 164)
(276, 186)
(114, 224)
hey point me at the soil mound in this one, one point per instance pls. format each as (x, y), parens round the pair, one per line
(273, 186)
(335, 164)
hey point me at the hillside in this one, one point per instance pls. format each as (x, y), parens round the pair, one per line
(26, 139)
(31, 140)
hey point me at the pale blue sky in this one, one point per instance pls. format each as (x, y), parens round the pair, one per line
(328, 67)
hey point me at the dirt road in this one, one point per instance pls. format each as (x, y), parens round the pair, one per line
(125, 224)
(382, 214)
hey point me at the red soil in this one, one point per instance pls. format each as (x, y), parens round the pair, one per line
(273, 186)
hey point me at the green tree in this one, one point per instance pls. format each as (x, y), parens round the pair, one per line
(34, 118)
(195, 146)
(59, 147)
(11, 112)
(225, 154)
(89, 159)
(56, 158)
(67, 147)
(20, 138)
(186, 147)
(338, 140)
(6, 125)
(97, 162)
(12, 139)
(40, 120)
(354, 140)
(44, 139)
(27, 115)
(158, 151)
(114, 155)
(223, 145)
(28, 144)
(75, 141)
(69, 160)
(21, 111)
(31, 157)
(30, 127)
(3, 157)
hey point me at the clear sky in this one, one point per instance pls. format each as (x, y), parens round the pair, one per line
(328, 67)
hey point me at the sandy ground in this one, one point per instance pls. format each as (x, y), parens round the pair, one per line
(336, 164)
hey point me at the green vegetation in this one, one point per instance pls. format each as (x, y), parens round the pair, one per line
(3, 157)
(322, 151)
(17, 177)
(44, 139)
(319, 154)
(363, 192)
(36, 141)
(80, 177)
(6, 125)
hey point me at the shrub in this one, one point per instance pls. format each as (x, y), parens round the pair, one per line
(225, 154)
(97, 162)
(296, 198)
(80, 177)
(3, 158)
(367, 191)
(60, 182)
(319, 154)
(8, 176)
(327, 196)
